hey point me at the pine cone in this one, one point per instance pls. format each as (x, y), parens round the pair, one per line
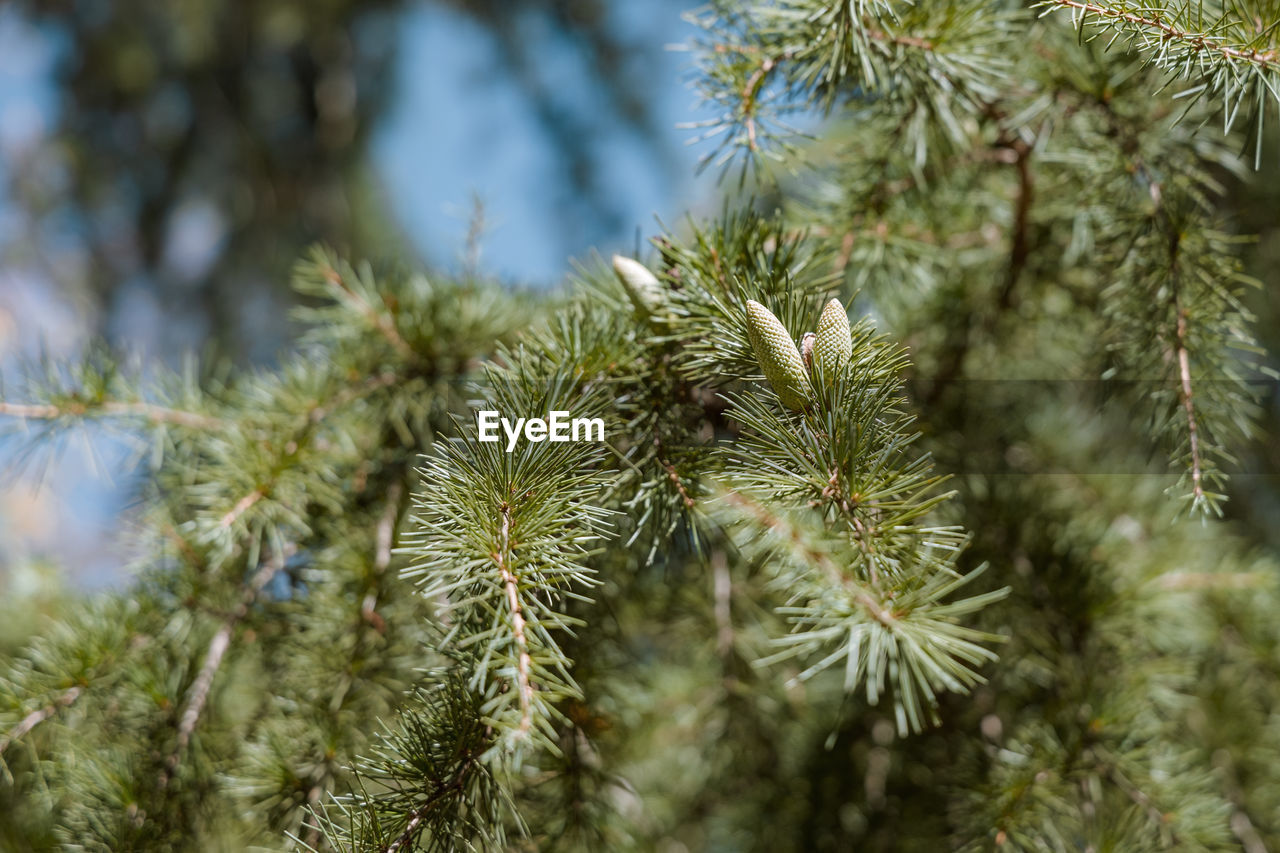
(778, 357)
(641, 285)
(834, 345)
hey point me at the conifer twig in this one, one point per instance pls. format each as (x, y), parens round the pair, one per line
(723, 591)
(384, 326)
(420, 813)
(38, 716)
(761, 514)
(1184, 374)
(673, 475)
(198, 695)
(383, 539)
(1264, 59)
(523, 660)
(150, 411)
(240, 508)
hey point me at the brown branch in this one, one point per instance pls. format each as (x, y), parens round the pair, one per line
(1140, 797)
(1183, 581)
(198, 694)
(384, 325)
(672, 475)
(1019, 244)
(1184, 374)
(35, 718)
(1240, 824)
(383, 540)
(319, 412)
(239, 509)
(154, 413)
(875, 609)
(1268, 60)
(524, 662)
(905, 41)
(454, 783)
(750, 94)
(315, 415)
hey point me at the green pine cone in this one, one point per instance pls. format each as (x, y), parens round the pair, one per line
(778, 357)
(833, 348)
(641, 285)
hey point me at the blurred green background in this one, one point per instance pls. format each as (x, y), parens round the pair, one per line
(162, 165)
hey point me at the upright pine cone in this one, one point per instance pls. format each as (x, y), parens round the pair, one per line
(833, 347)
(642, 286)
(778, 357)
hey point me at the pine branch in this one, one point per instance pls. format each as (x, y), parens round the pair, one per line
(527, 514)
(451, 787)
(198, 694)
(147, 411)
(357, 296)
(1195, 43)
(240, 508)
(1232, 57)
(511, 585)
(35, 718)
(1184, 378)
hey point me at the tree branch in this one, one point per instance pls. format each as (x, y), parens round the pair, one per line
(1184, 393)
(385, 326)
(875, 609)
(149, 411)
(1019, 244)
(524, 661)
(38, 716)
(1268, 60)
(419, 814)
(198, 695)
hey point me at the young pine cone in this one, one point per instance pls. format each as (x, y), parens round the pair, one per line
(833, 347)
(778, 357)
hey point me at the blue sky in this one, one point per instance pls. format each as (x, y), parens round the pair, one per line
(460, 127)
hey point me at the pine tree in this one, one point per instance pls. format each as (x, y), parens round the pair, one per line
(948, 574)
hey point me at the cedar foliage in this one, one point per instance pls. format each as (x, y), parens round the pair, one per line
(971, 592)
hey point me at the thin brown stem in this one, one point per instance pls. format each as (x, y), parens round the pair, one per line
(1188, 406)
(1141, 798)
(35, 718)
(1019, 244)
(780, 526)
(672, 475)
(113, 408)
(524, 662)
(383, 539)
(418, 815)
(242, 505)
(751, 95)
(381, 322)
(198, 694)
(723, 602)
(1266, 59)
(320, 411)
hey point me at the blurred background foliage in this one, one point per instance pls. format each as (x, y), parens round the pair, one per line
(163, 165)
(197, 147)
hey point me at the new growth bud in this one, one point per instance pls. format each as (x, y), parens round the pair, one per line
(642, 286)
(806, 351)
(833, 347)
(778, 357)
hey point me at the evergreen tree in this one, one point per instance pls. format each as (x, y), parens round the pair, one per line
(948, 575)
